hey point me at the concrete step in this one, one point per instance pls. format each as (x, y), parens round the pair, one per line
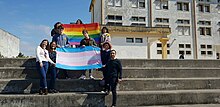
(128, 72)
(168, 72)
(170, 63)
(145, 84)
(63, 85)
(171, 97)
(128, 84)
(53, 100)
(187, 105)
(25, 62)
(17, 62)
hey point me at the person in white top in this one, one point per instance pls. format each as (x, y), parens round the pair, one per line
(42, 59)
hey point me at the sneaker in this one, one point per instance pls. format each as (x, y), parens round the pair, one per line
(82, 77)
(105, 92)
(91, 77)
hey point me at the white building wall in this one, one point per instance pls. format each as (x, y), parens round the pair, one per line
(126, 11)
(9, 44)
(174, 39)
(97, 11)
(129, 50)
(213, 40)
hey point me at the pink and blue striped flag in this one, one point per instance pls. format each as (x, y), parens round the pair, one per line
(78, 58)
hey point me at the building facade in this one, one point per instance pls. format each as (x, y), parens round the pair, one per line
(194, 24)
(9, 44)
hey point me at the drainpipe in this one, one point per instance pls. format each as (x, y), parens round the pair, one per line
(194, 27)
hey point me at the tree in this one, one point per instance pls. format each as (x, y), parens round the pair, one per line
(1, 56)
(20, 55)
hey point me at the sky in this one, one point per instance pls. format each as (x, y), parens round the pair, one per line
(32, 20)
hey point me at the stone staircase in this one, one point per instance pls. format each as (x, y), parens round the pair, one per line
(159, 83)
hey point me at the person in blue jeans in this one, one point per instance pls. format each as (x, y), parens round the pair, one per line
(42, 63)
(53, 69)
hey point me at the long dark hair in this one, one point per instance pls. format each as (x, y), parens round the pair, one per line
(79, 21)
(50, 47)
(102, 31)
(55, 25)
(41, 44)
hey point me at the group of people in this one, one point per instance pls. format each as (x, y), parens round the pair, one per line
(46, 58)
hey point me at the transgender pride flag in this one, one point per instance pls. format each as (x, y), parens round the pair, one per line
(78, 58)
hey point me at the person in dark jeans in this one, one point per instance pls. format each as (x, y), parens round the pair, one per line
(105, 57)
(53, 69)
(113, 75)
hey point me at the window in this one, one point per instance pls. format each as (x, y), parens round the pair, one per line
(138, 19)
(134, 18)
(161, 4)
(188, 53)
(202, 46)
(113, 17)
(159, 51)
(116, 3)
(134, 3)
(114, 20)
(129, 40)
(204, 8)
(188, 45)
(181, 52)
(185, 49)
(181, 45)
(118, 17)
(209, 52)
(138, 3)
(142, 3)
(183, 6)
(206, 31)
(138, 40)
(206, 49)
(110, 2)
(183, 30)
(162, 20)
(114, 23)
(209, 46)
(204, 22)
(183, 21)
(159, 45)
(203, 52)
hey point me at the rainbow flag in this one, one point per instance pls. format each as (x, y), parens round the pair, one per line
(78, 58)
(74, 32)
